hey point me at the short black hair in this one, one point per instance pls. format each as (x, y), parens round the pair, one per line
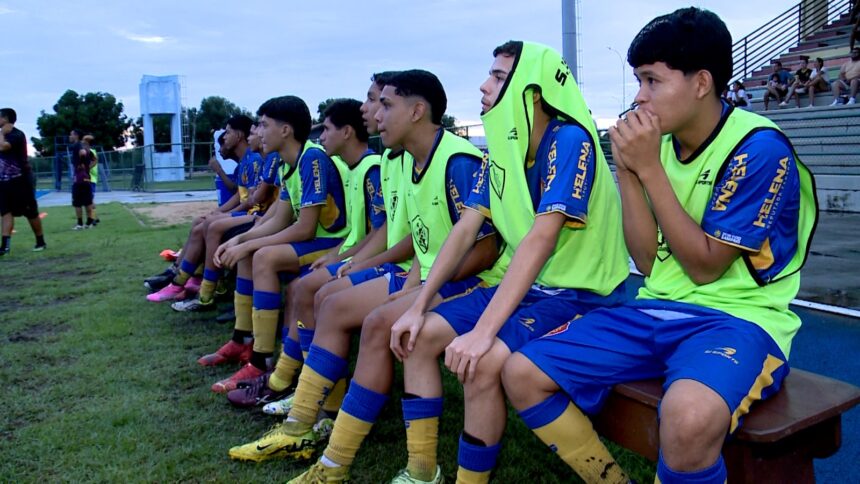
(78, 132)
(820, 61)
(511, 48)
(344, 112)
(382, 78)
(9, 114)
(242, 123)
(689, 40)
(417, 82)
(777, 63)
(291, 110)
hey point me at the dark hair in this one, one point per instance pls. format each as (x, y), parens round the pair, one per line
(9, 114)
(344, 112)
(739, 83)
(689, 40)
(242, 123)
(78, 132)
(383, 78)
(777, 63)
(804, 58)
(291, 110)
(820, 61)
(417, 82)
(511, 48)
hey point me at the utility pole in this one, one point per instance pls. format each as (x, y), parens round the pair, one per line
(568, 36)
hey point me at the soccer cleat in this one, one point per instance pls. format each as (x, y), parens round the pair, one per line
(226, 317)
(319, 473)
(171, 292)
(78, 227)
(254, 393)
(5, 250)
(230, 352)
(156, 283)
(292, 440)
(193, 284)
(193, 304)
(403, 477)
(280, 407)
(40, 247)
(247, 372)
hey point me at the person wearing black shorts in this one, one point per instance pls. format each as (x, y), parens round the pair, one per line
(17, 190)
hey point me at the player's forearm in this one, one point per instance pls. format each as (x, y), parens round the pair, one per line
(640, 228)
(401, 251)
(689, 243)
(372, 245)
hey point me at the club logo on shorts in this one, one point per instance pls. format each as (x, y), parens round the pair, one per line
(497, 179)
(528, 323)
(724, 351)
(421, 234)
(558, 330)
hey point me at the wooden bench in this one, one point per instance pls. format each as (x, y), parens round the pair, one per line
(776, 442)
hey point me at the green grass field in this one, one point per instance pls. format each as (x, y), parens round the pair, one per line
(100, 385)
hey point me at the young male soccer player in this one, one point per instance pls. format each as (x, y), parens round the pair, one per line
(222, 229)
(392, 239)
(444, 164)
(551, 196)
(87, 143)
(235, 139)
(718, 214)
(17, 193)
(279, 247)
(344, 135)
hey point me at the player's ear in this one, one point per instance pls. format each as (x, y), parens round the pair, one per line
(703, 83)
(419, 110)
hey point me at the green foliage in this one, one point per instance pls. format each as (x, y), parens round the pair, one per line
(321, 109)
(97, 113)
(448, 121)
(212, 115)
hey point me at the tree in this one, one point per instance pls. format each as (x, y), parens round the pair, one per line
(97, 113)
(213, 115)
(448, 121)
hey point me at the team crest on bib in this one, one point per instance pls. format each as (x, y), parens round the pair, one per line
(497, 179)
(421, 234)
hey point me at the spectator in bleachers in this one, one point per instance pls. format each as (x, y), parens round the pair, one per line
(849, 79)
(819, 81)
(777, 84)
(802, 79)
(738, 96)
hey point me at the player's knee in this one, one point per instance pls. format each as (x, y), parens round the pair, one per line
(332, 306)
(487, 375)
(516, 371)
(692, 429)
(263, 260)
(376, 329)
(321, 295)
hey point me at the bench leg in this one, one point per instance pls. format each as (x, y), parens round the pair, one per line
(789, 460)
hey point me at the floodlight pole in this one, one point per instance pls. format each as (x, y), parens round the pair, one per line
(568, 36)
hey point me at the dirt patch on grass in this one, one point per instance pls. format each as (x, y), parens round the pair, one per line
(164, 214)
(37, 332)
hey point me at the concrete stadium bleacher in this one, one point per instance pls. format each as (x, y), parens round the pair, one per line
(827, 138)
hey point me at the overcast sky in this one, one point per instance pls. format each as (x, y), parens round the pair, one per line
(253, 50)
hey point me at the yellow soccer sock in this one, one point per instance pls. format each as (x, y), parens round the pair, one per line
(422, 435)
(207, 288)
(361, 408)
(322, 369)
(335, 399)
(243, 306)
(265, 323)
(465, 476)
(288, 364)
(565, 429)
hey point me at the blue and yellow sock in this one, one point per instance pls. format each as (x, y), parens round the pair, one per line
(322, 370)
(207, 287)
(243, 303)
(306, 338)
(186, 270)
(288, 364)
(422, 435)
(569, 433)
(714, 474)
(476, 461)
(361, 408)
